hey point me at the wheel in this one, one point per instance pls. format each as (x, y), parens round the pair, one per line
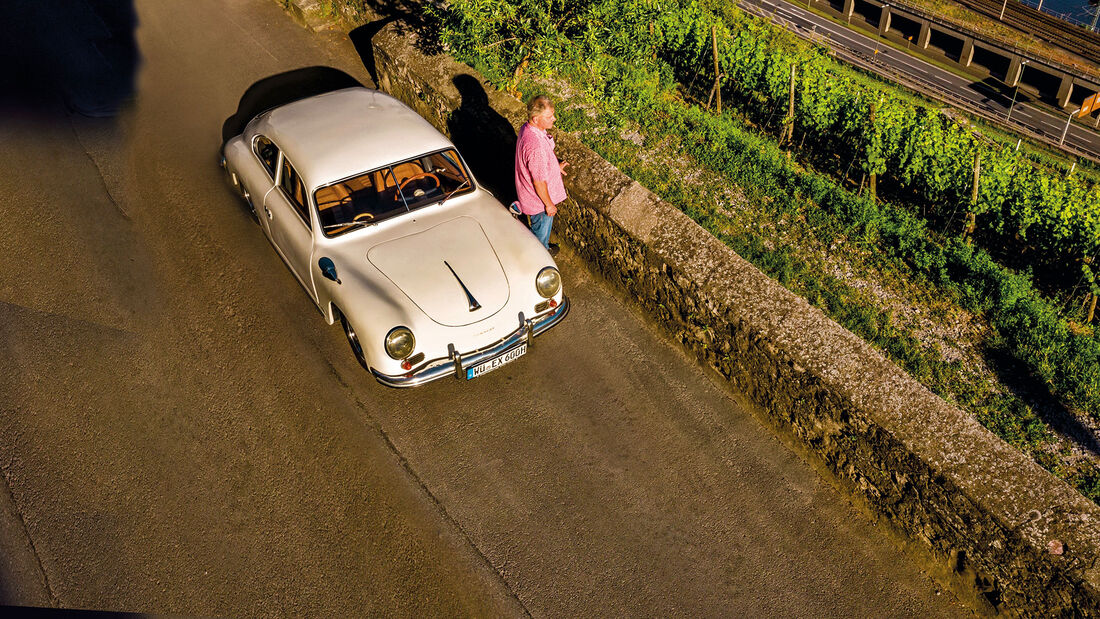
(238, 186)
(251, 207)
(353, 341)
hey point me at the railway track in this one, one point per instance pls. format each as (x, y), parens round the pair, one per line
(1072, 38)
(851, 53)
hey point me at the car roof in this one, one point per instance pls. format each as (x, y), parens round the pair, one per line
(346, 132)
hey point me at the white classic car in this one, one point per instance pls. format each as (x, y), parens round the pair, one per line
(376, 214)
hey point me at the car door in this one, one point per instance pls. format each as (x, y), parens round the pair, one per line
(288, 216)
(260, 180)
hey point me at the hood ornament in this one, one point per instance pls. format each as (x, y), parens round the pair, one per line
(474, 305)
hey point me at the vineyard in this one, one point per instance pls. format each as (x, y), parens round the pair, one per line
(920, 193)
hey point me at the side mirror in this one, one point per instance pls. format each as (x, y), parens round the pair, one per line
(328, 269)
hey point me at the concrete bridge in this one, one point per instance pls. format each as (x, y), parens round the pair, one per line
(1051, 81)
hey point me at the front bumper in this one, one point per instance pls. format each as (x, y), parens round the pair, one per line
(456, 363)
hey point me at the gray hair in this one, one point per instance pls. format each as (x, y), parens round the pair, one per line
(537, 105)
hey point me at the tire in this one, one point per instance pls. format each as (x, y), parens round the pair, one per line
(247, 197)
(353, 340)
(239, 188)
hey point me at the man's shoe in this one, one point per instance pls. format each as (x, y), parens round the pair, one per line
(553, 249)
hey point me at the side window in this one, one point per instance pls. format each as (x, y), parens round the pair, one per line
(267, 152)
(295, 191)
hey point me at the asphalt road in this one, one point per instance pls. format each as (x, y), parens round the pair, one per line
(993, 103)
(181, 433)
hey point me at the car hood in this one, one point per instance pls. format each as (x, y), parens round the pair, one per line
(450, 271)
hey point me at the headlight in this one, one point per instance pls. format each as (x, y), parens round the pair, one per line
(548, 282)
(400, 342)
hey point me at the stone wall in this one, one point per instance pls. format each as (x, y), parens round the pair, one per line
(1019, 537)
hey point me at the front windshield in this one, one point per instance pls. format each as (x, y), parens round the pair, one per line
(389, 191)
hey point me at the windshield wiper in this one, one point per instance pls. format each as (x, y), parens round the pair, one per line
(348, 224)
(448, 196)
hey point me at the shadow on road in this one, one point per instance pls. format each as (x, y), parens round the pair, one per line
(81, 53)
(996, 92)
(283, 88)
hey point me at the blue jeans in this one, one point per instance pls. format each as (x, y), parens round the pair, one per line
(540, 226)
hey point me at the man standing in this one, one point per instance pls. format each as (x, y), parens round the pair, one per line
(538, 172)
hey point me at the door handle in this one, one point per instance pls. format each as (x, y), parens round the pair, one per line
(268, 211)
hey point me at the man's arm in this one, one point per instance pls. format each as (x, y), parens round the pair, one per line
(544, 195)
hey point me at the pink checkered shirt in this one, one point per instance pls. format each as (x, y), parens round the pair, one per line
(536, 161)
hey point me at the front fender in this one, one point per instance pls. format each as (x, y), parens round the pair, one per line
(373, 307)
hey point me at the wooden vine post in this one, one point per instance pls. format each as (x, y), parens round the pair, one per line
(513, 88)
(788, 124)
(717, 75)
(971, 219)
(872, 178)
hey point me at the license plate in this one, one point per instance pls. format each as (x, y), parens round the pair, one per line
(496, 362)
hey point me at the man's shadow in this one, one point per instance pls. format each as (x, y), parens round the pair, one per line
(486, 139)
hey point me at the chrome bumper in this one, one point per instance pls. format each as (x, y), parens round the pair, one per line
(455, 363)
